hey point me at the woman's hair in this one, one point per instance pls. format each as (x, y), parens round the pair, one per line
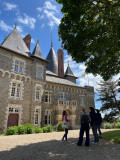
(92, 109)
(84, 110)
(64, 113)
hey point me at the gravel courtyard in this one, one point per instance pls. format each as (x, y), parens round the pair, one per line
(48, 146)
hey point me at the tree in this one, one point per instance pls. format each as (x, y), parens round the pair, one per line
(90, 32)
(110, 105)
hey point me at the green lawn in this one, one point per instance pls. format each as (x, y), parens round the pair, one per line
(113, 136)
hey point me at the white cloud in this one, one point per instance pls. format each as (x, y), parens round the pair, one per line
(49, 11)
(5, 27)
(49, 6)
(10, 6)
(40, 16)
(42, 26)
(19, 28)
(27, 20)
(32, 41)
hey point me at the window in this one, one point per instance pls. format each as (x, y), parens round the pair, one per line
(37, 116)
(47, 97)
(47, 117)
(19, 66)
(16, 110)
(39, 72)
(37, 93)
(81, 100)
(10, 109)
(36, 119)
(63, 96)
(16, 90)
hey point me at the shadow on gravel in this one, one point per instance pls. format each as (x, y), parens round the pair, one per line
(58, 150)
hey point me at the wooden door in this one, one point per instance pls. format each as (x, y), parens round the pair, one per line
(13, 119)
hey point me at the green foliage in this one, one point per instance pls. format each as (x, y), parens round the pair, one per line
(59, 126)
(90, 33)
(117, 125)
(21, 129)
(38, 130)
(11, 130)
(29, 128)
(107, 126)
(113, 136)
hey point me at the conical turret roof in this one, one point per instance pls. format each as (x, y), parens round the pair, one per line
(69, 71)
(15, 43)
(53, 66)
(37, 51)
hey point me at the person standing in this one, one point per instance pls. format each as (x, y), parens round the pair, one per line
(99, 121)
(93, 124)
(65, 120)
(84, 121)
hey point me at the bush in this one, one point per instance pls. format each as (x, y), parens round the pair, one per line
(21, 129)
(29, 128)
(38, 130)
(12, 130)
(50, 128)
(59, 126)
(107, 125)
(117, 125)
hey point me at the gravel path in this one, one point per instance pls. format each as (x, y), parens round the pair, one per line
(48, 146)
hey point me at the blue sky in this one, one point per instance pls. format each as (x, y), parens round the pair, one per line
(39, 18)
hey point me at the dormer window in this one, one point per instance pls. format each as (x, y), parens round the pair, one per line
(19, 65)
(39, 71)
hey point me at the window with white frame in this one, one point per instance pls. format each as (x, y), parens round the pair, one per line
(63, 96)
(37, 93)
(16, 90)
(37, 116)
(48, 96)
(47, 117)
(39, 72)
(19, 66)
(81, 100)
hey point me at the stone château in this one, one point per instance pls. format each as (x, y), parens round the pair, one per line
(36, 90)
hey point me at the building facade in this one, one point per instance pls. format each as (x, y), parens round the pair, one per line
(35, 90)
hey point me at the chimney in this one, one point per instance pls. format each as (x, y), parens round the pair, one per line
(60, 63)
(27, 40)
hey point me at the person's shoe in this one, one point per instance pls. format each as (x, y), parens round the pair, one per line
(78, 144)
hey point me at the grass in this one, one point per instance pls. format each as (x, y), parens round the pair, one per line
(113, 136)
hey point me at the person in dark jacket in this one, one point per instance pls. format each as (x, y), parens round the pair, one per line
(93, 124)
(99, 121)
(84, 120)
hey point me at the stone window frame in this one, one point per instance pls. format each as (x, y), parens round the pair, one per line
(49, 96)
(19, 60)
(21, 89)
(63, 95)
(38, 71)
(48, 115)
(40, 92)
(37, 113)
(82, 100)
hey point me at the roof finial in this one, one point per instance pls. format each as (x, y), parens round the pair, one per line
(51, 40)
(38, 41)
(15, 26)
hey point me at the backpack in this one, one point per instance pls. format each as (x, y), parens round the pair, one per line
(85, 119)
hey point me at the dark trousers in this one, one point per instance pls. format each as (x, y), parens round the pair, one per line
(84, 127)
(65, 135)
(94, 130)
(98, 127)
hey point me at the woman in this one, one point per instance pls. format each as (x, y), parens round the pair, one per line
(65, 120)
(93, 124)
(84, 120)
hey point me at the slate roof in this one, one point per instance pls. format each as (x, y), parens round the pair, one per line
(50, 73)
(58, 80)
(15, 43)
(37, 51)
(53, 66)
(69, 72)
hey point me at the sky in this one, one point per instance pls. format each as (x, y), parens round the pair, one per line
(39, 18)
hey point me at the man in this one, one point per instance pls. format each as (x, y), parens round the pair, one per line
(99, 121)
(84, 120)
